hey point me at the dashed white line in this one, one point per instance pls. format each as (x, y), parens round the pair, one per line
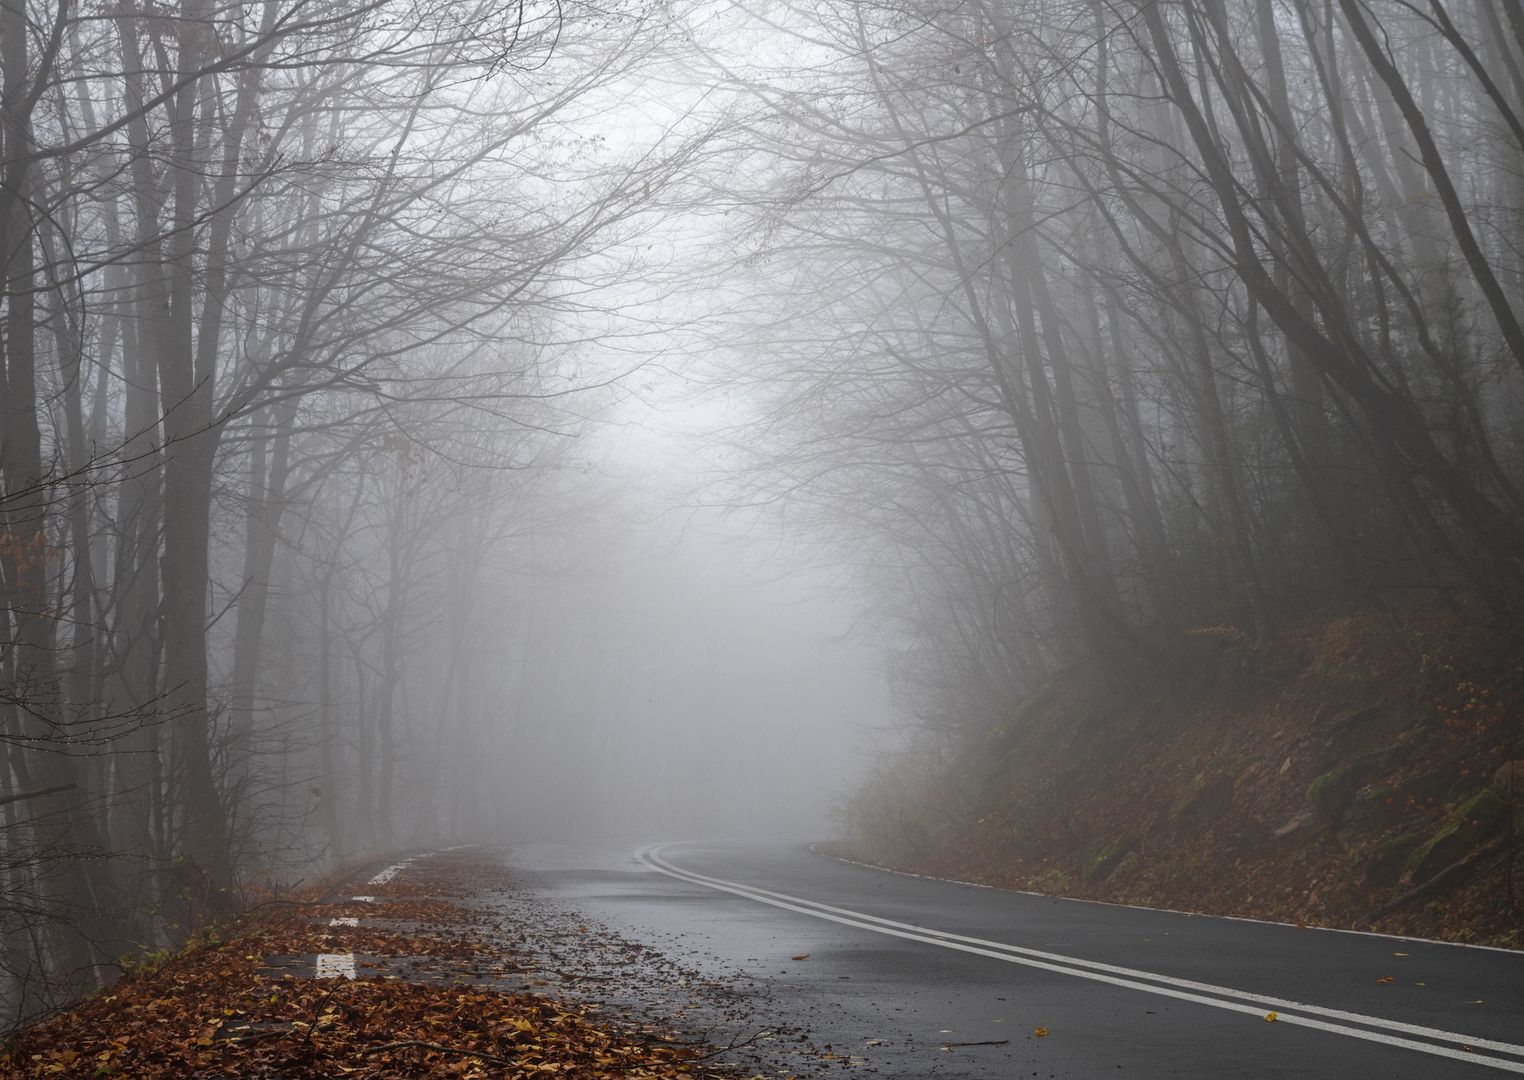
(1219, 997)
(336, 965)
(390, 872)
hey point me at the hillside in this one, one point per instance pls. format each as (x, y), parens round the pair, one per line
(1353, 772)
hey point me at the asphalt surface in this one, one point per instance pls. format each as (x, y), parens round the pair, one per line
(897, 976)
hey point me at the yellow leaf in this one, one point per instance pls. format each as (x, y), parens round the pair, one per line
(1040, 1032)
(1272, 1017)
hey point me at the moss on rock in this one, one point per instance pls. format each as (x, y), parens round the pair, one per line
(1389, 858)
(1209, 795)
(1331, 793)
(1109, 857)
(1467, 826)
(1375, 807)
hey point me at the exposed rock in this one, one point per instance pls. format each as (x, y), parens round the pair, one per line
(1110, 857)
(1429, 788)
(1407, 746)
(1332, 793)
(1353, 718)
(1210, 796)
(1508, 781)
(1386, 863)
(1468, 825)
(1375, 806)
(1299, 829)
(1451, 876)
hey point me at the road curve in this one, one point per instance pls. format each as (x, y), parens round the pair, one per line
(899, 967)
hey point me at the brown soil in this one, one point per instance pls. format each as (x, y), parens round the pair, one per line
(1169, 787)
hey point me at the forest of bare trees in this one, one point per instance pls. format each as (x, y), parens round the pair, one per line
(1110, 325)
(292, 296)
(1075, 328)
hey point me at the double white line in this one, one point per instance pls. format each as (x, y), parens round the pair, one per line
(1426, 1040)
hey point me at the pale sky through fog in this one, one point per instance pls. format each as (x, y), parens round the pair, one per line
(684, 677)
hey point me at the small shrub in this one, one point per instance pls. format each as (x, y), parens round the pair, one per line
(1052, 881)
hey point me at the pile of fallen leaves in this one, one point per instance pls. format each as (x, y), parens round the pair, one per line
(231, 1009)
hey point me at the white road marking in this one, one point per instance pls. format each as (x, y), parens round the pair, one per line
(344, 920)
(336, 965)
(1219, 997)
(362, 899)
(390, 872)
(1171, 911)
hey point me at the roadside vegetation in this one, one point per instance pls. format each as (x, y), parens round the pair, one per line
(1364, 772)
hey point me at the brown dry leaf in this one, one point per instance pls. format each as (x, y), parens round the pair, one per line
(219, 1010)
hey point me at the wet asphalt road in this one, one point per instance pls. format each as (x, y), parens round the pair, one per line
(1121, 992)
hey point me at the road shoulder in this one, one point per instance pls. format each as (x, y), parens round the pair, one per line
(414, 968)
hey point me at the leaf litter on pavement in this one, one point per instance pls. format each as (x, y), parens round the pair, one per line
(435, 996)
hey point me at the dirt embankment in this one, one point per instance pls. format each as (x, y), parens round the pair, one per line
(1365, 771)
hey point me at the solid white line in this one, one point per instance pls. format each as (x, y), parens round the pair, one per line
(362, 899)
(1130, 978)
(1405, 938)
(340, 965)
(344, 920)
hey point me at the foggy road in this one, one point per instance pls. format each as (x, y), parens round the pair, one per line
(905, 976)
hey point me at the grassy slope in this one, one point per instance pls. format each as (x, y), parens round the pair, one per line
(1357, 739)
